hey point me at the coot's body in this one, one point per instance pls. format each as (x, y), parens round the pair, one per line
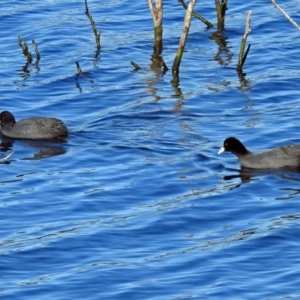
(285, 156)
(32, 128)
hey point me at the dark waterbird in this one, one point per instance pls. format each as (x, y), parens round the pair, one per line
(285, 156)
(32, 128)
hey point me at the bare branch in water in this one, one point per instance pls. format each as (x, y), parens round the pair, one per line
(96, 33)
(285, 14)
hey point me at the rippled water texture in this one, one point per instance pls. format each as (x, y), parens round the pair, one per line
(137, 204)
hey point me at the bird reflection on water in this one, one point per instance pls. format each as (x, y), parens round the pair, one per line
(246, 175)
(43, 148)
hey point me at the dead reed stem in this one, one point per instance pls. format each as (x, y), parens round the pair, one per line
(157, 16)
(285, 14)
(243, 54)
(96, 33)
(196, 15)
(182, 42)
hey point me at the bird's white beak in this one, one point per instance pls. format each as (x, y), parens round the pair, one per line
(222, 149)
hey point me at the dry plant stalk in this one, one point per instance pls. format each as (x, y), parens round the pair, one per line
(38, 56)
(79, 71)
(285, 14)
(135, 65)
(221, 8)
(25, 49)
(207, 23)
(242, 56)
(182, 42)
(157, 16)
(96, 33)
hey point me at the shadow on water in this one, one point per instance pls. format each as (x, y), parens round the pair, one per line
(43, 149)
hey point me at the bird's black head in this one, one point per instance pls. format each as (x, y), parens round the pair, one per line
(233, 145)
(7, 118)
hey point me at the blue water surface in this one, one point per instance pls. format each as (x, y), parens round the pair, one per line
(137, 204)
